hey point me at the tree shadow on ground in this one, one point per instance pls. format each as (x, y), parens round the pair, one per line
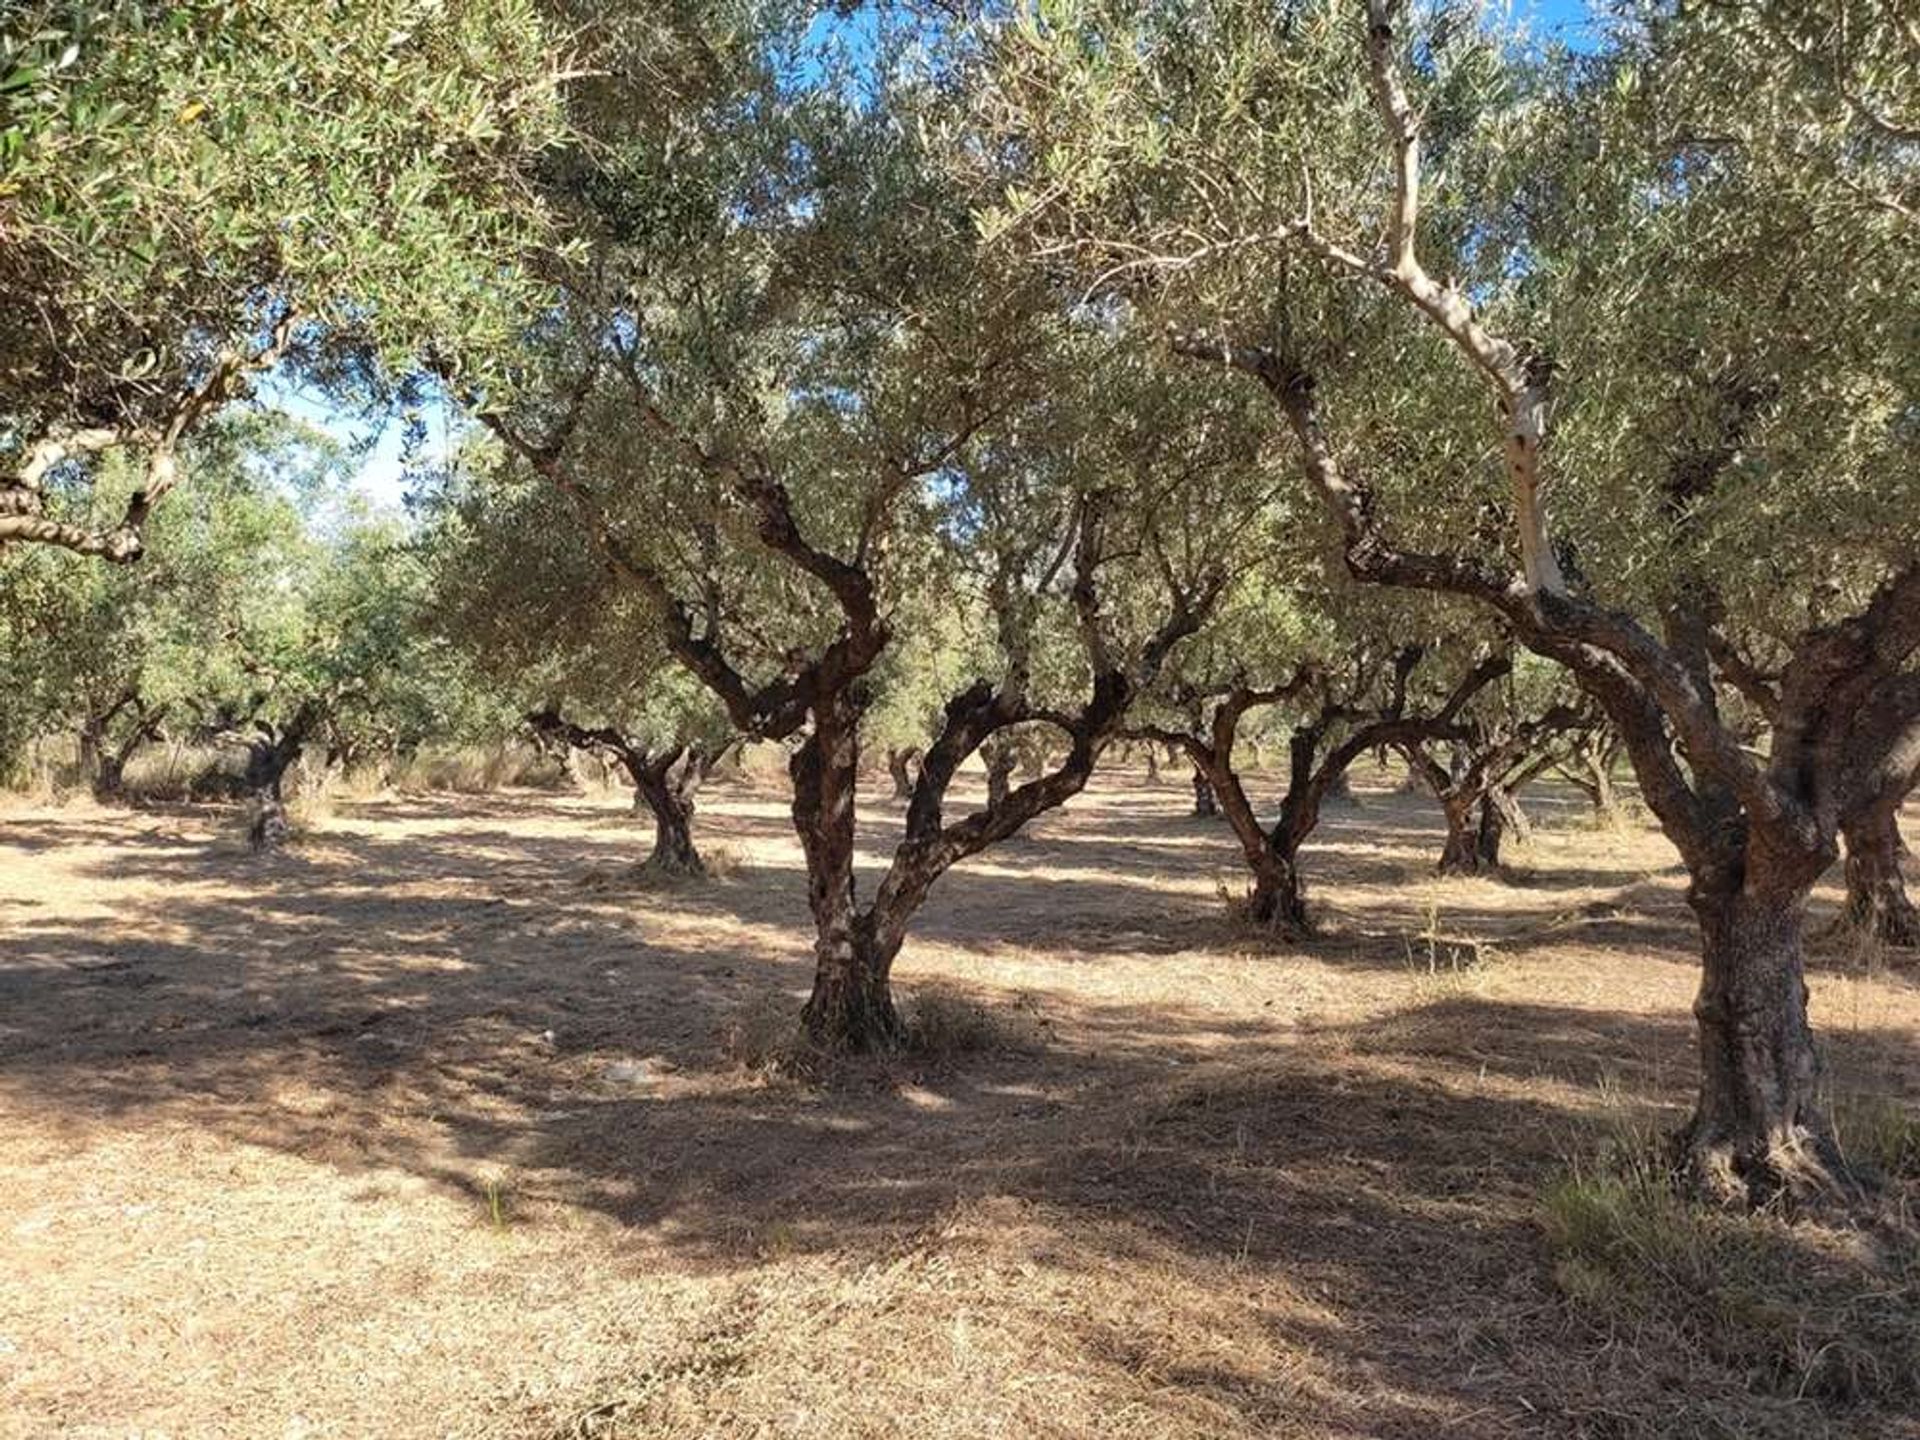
(462, 1001)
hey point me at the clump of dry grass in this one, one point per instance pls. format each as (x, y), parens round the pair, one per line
(939, 1024)
(765, 1037)
(479, 769)
(944, 1024)
(1786, 1311)
(1879, 1132)
(1446, 960)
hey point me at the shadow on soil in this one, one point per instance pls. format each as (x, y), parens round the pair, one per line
(458, 998)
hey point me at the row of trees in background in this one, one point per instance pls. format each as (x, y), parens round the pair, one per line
(937, 386)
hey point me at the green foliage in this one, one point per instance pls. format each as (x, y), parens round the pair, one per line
(264, 589)
(85, 644)
(173, 178)
(513, 591)
(1706, 230)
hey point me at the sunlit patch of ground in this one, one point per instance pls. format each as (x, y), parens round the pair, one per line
(429, 1127)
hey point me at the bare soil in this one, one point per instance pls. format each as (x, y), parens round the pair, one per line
(434, 1126)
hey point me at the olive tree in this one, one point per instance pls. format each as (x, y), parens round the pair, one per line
(192, 195)
(120, 657)
(1617, 347)
(568, 648)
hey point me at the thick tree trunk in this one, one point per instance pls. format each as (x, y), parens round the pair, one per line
(1470, 849)
(1877, 900)
(1204, 801)
(90, 751)
(110, 778)
(899, 768)
(1279, 900)
(268, 760)
(1756, 1131)
(851, 1008)
(1511, 816)
(270, 828)
(673, 849)
(999, 760)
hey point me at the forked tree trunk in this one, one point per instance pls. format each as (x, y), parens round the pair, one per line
(851, 1007)
(1204, 802)
(1877, 902)
(1757, 1131)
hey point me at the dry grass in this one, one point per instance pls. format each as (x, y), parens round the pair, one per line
(1748, 1323)
(423, 1131)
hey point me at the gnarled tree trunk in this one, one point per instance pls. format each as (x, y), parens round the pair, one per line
(1473, 839)
(1279, 898)
(1877, 901)
(1204, 802)
(1756, 1130)
(269, 757)
(110, 778)
(665, 786)
(851, 1007)
(900, 769)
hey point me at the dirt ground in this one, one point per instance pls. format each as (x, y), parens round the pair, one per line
(434, 1127)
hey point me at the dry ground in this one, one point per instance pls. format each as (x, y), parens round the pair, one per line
(430, 1127)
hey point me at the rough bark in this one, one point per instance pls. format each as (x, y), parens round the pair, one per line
(665, 785)
(1278, 899)
(666, 782)
(1757, 1132)
(1472, 846)
(1754, 830)
(1877, 902)
(1205, 804)
(900, 771)
(851, 1007)
(270, 754)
